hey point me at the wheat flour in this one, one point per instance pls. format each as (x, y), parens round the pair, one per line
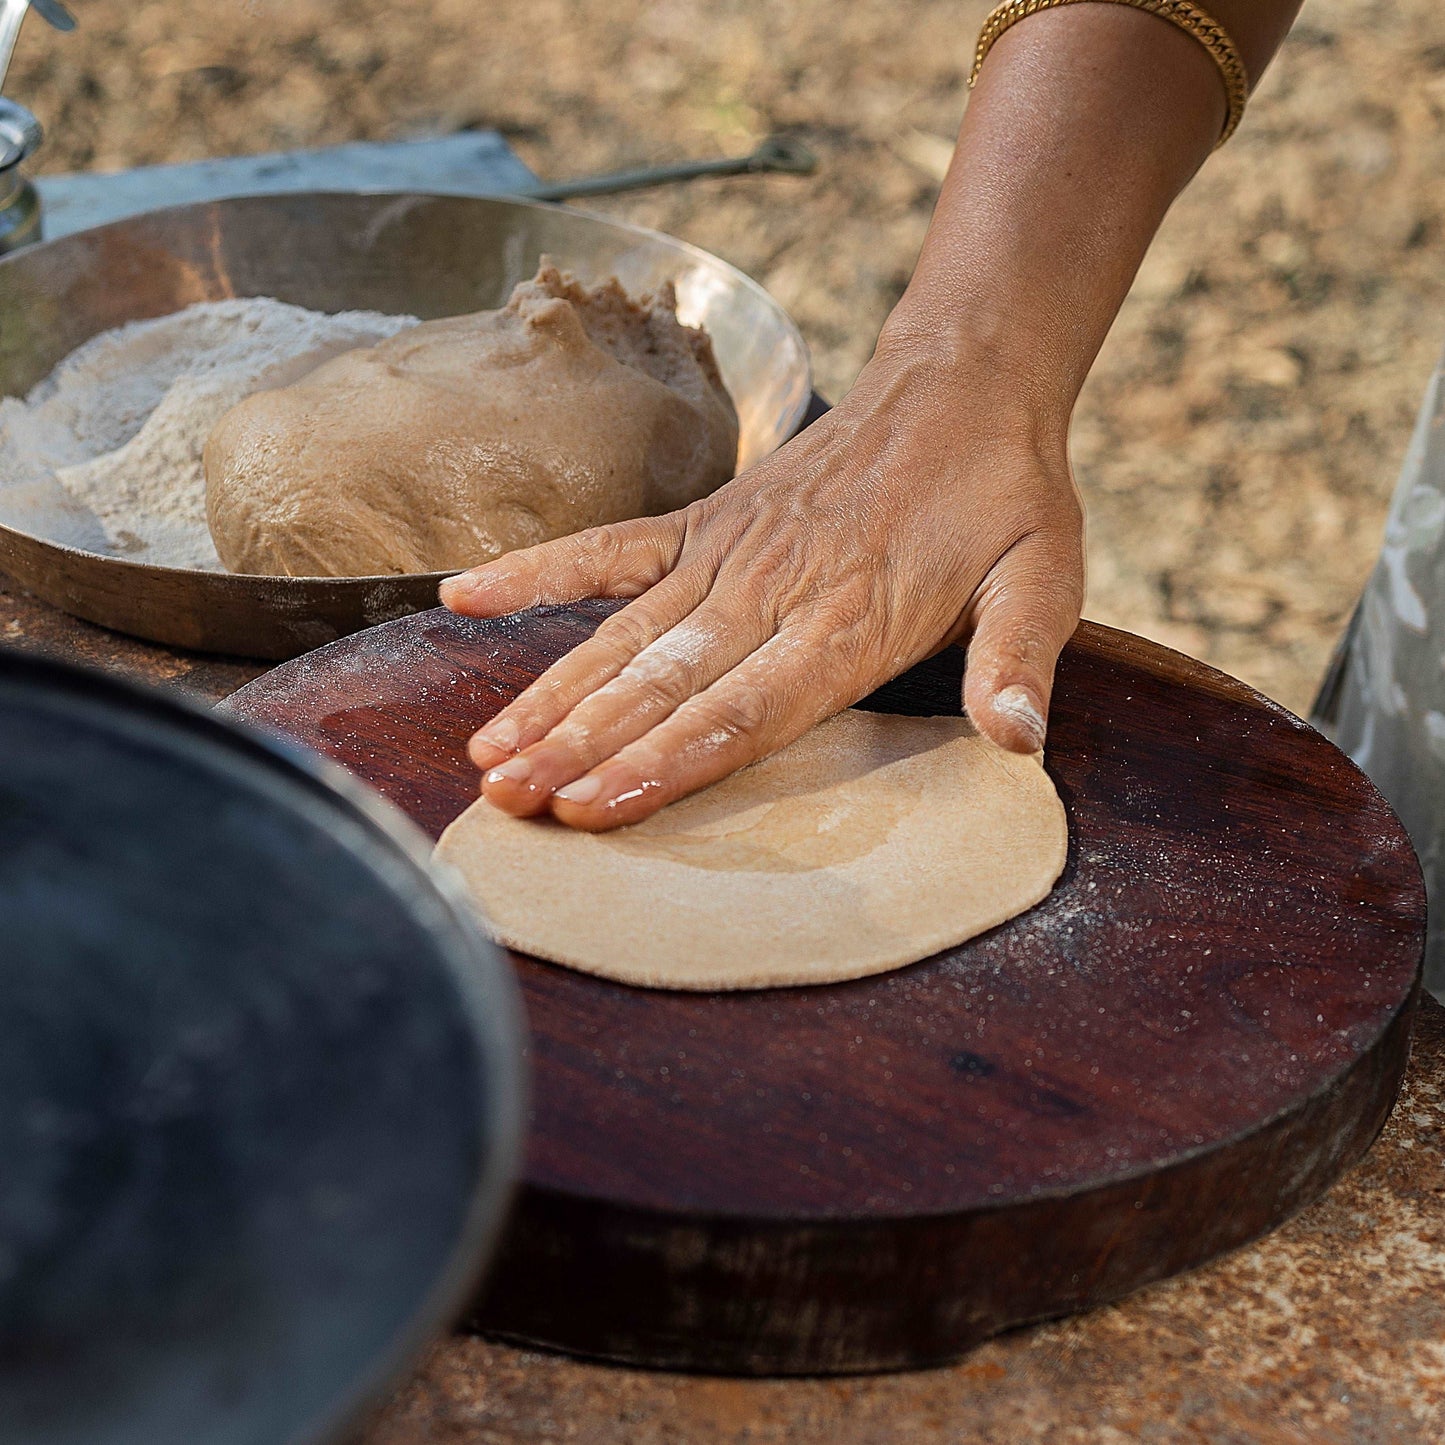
(105, 453)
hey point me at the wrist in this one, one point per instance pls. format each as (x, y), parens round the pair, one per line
(983, 363)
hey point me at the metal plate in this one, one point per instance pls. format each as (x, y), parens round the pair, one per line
(427, 255)
(259, 1080)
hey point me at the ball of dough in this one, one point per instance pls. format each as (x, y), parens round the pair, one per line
(457, 440)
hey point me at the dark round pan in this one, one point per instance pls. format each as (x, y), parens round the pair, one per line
(259, 1080)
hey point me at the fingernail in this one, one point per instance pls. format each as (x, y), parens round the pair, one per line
(584, 790)
(514, 770)
(1019, 705)
(501, 733)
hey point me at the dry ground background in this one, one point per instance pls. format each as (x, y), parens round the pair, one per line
(1238, 442)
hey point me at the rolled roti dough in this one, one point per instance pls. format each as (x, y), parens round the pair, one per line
(872, 841)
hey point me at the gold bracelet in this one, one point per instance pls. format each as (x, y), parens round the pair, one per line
(1188, 17)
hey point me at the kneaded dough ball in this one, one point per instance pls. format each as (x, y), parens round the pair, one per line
(457, 440)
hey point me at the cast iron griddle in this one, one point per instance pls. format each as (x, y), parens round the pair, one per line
(1200, 1028)
(259, 1082)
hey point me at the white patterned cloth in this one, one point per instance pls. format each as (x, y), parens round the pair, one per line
(1384, 700)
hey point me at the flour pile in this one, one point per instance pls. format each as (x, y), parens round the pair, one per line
(105, 453)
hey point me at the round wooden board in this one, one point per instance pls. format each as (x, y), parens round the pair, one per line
(1199, 1029)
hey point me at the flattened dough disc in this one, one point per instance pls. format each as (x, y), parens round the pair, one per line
(873, 841)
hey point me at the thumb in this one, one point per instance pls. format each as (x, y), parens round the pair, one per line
(1029, 609)
(620, 560)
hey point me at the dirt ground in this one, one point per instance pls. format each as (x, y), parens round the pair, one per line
(1238, 442)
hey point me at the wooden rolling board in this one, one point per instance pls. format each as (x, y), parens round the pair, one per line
(1201, 1027)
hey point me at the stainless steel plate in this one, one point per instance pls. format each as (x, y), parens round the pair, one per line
(427, 255)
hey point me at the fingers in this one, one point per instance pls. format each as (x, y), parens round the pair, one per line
(1028, 610)
(621, 560)
(530, 716)
(657, 679)
(761, 705)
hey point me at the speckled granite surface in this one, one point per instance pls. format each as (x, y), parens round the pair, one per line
(1331, 1330)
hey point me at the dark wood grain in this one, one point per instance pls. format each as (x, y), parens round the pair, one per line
(1201, 1027)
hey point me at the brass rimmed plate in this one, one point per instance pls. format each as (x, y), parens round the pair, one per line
(424, 255)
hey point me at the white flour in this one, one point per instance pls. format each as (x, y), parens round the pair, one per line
(105, 453)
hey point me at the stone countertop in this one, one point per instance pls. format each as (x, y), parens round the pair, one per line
(1330, 1330)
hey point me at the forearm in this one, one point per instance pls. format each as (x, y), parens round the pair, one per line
(932, 504)
(1086, 122)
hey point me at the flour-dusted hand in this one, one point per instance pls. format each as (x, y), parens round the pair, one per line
(900, 522)
(935, 503)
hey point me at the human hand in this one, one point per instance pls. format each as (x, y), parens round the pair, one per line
(917, 513)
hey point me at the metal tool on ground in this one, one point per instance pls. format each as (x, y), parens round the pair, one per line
(779, 154)
(22, 210)
(468, 163)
